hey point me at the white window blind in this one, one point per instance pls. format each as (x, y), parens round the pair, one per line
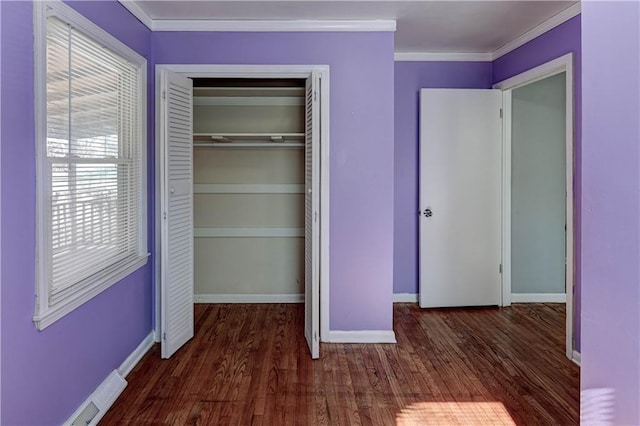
(92, 169)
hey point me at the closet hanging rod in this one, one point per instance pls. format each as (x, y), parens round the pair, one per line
(237, 139)
(250, 135)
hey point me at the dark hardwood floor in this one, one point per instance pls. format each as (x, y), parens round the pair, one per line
(249, 364)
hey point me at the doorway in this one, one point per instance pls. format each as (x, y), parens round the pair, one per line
(177, 138)
(537, 182)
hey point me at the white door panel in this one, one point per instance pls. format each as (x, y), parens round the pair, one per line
(312, 225)
(177, 323)
(460, 181)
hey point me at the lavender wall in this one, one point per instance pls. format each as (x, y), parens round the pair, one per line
(559, 41)
(410, 77)
(47, 374)
(361, 156)
(611, 203)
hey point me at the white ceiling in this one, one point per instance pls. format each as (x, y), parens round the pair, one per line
(422, 26)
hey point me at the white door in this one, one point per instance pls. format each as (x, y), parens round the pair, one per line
(176, 171)
(460, 187)
(311, 211)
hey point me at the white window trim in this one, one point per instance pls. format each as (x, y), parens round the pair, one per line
(46, 314)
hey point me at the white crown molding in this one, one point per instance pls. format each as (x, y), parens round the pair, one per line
(137, 11)
(441, 57)
(549, 24)
(554, 21)
(346, 26)
(274, 25)
(257, 25)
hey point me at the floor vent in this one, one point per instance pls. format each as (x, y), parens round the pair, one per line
(92, 410)
(86, 416)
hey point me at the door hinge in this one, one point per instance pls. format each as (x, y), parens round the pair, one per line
(164, 336)
(315, 336)
(164, 95)
(500, 112)
(500, 268)
(315, 96)
(164, 215)
(315, 216)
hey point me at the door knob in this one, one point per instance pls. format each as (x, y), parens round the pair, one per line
(427, 212)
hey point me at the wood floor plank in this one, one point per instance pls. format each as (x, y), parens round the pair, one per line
(249, 365)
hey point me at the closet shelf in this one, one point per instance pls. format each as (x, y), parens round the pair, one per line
(248, 145)
(248, 232)
(249, 101)
(239, 188)
(253, 92)
(246, 140)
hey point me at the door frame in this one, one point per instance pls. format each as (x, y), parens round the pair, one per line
(255, 71)
(548, 69)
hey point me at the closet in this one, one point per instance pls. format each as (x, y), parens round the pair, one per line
(239, 191)
(249, 190)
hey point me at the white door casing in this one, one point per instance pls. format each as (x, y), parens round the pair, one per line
(176, 269)
(460, 197)
(312, 219)
(559, 65)
(320, 147)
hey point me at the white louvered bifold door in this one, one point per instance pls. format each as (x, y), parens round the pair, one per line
(312, 219)
(177, 212)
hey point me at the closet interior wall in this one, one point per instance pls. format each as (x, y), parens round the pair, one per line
(248, 180)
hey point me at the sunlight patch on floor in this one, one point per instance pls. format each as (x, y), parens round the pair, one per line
(454, 413)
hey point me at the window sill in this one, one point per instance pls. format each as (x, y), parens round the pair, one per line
(51, 314)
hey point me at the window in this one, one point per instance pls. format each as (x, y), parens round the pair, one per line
(90, 143)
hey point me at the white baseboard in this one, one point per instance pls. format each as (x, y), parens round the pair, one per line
(362, 336)
(577, 358)
(134, 357)
(248, 298)
(405, 297)
(538, 298)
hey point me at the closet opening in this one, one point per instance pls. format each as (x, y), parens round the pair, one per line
(240, 196)
(248, 190)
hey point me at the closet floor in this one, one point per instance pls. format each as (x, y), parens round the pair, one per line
(249, 364)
